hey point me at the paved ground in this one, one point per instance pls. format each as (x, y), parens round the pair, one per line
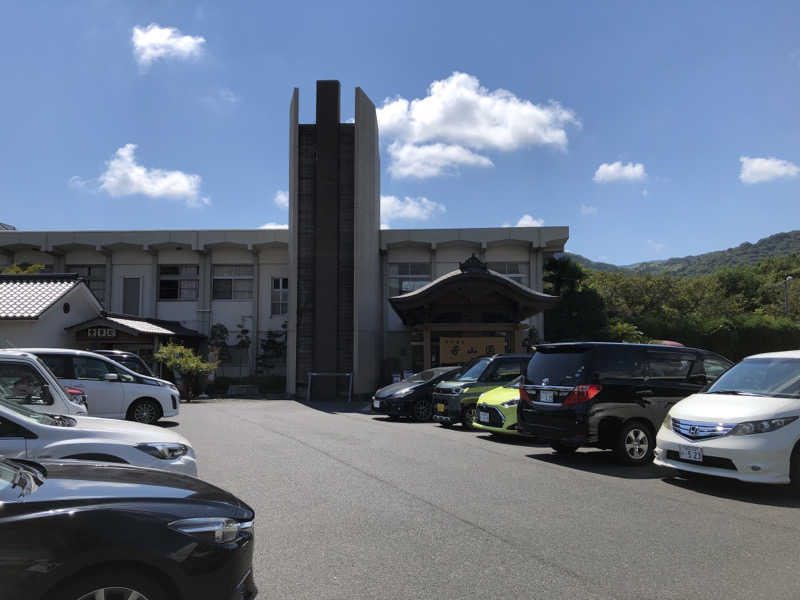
(350, 505)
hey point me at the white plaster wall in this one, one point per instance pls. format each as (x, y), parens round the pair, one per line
(179, 310)
(508, 253)
(133, 263)
(33, 257)
(167, 256)
(408, 254)
(84, 256)
(230, 255)
(456, 252)
(48, 331)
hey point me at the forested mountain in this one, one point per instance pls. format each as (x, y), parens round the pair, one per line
(746, 254)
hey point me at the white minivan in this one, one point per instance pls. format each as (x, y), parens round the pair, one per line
(25, 379)
(112, 390)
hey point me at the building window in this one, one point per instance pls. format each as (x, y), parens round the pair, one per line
(519, 272)
(178, 282)
(407, 277)
(280, 296)
(95, 276)
(233, 282)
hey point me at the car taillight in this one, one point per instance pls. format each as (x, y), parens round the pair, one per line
(582, 394)
(523, 393)
(74, 391)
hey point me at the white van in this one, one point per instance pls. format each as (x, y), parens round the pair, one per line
(25, 379)
(112, 390)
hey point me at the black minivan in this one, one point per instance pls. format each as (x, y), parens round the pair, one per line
(609, 395)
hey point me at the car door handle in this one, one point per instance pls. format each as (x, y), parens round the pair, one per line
(644, 393)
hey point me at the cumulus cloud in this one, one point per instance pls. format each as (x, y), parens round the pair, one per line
(274, 226)
(409, 160)
(526, 221)
(281, 199)
(588, 210)
(124, 177)
(417, 209)
(154, 42)
(460, 116)
(759, 170)
(616, 171)
(78, 183)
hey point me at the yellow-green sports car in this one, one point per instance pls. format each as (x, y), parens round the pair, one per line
(496, 411)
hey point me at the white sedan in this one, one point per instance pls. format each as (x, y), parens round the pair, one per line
(746, 426)
(25, 433)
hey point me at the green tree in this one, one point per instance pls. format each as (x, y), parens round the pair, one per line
(23, 269)
(186, 362)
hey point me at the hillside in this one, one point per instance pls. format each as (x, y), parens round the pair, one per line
(779, 244)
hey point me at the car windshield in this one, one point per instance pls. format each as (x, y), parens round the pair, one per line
(514, 382)
(423, 376)
(475, 370)
(27, 413)
(559, 368)
(47, 368)
(779, 377)
(8, 474)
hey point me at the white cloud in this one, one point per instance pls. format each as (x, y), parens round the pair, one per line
(459, 116)
(221, 100)
(281, 199)
(274, 226)
(124, 177)
(608, 172)
(657, 246)
(529, 221)
(155, 42)
(431, 160)
(588, 210)
(759, 170)
(78, 183)
(417, 209)
(385, 226)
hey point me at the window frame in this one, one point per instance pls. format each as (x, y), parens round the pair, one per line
(91, 279)
(180, 277)
(283, 296)
(233, 278)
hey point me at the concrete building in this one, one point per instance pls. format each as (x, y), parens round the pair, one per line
(328, 280)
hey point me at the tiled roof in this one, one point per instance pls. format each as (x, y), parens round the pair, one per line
(142, 326)
(28, 296)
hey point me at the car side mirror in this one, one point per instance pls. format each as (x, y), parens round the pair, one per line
(111, 377)
(47, 397)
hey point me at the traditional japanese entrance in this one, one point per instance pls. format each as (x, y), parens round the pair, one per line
(472, 311)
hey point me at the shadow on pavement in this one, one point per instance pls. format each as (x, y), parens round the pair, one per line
(511, 440)
(601, 463)
(733, 489)
(337, 407)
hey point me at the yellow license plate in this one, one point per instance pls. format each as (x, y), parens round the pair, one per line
(440, 407)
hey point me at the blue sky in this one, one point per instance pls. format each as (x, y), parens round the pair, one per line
(692, 108)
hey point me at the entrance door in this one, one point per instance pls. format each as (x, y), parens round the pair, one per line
(130, 295)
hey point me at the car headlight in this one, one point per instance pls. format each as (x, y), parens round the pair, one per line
(751, 427)
(667, 424)
(510, 403)
(163, 450)
(213, 529)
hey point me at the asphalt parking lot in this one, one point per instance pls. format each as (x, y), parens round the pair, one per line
(351, 505)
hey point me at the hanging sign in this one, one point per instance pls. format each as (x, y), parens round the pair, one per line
(457, 350)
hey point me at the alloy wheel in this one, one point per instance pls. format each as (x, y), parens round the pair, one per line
(145, 412)
(113, 593)
(636, 444)
(422, 410)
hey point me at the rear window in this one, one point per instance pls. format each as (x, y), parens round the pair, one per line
(558, 368)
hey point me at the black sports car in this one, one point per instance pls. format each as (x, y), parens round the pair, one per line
(72, 530)
(411, 397)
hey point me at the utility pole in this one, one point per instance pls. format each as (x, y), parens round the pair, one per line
(786, 294)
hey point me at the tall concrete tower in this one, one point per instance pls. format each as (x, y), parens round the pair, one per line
(334, 254)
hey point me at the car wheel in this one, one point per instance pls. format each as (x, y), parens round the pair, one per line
(467, 417)
(562, 448)
(422, 410)
(635, 444)
(144, 411)
(111, 584)
(794, 469)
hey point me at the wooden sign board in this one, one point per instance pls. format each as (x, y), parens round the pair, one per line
(458, 350)
(101, 332)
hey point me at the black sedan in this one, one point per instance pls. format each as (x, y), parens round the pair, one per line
(411, 397)
(72, 530)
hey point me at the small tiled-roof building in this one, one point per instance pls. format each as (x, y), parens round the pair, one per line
(35, 309)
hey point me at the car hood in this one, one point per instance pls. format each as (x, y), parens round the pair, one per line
(498, 395)
(396, 388)
(730, 408)
(449, 385)
(127, 431)
(72, 482)
(156, 380)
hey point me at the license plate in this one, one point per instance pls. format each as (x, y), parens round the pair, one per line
(440, 407)
(546, 396)
(483, 417)
(691, 453)
(376, 404)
